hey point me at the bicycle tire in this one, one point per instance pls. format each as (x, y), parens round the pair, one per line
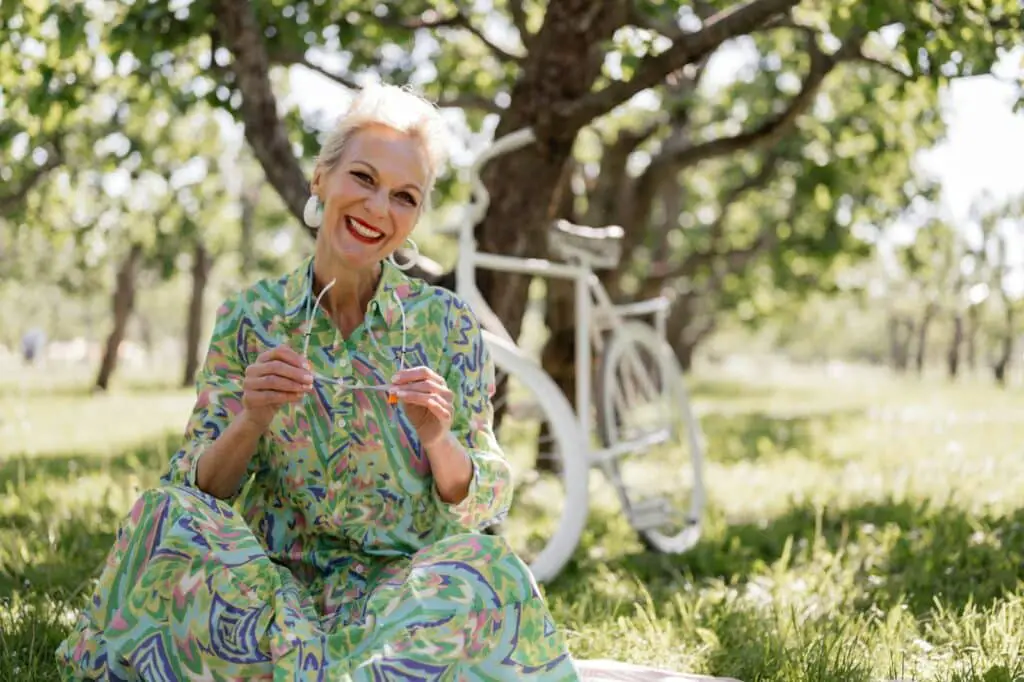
(574, 467)
(634, 333)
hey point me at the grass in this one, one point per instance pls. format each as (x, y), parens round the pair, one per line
(860, 528)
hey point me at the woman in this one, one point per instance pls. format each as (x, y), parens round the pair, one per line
(344, 411)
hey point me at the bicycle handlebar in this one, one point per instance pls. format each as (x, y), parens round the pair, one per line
(480, 198)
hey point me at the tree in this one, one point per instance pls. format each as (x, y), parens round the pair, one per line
(555, 78)
(562, 68)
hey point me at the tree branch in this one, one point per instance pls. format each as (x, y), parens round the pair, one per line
(669, 29)
(515, 8)
(891, 68)
(240, 32)
(459, 101)
(738, 20)
(684, 153)
(14, 196)
(431, 19)
(502, 54)
(605, 197)
(733, 259)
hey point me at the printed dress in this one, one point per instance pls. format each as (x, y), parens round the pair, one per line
(336, 559)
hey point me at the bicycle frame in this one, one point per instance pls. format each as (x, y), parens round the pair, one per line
(595, 310)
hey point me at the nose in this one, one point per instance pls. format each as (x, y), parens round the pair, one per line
(377, 202)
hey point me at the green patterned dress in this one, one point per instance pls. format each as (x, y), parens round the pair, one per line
(336, 560)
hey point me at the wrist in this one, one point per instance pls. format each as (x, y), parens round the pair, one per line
(443, 441)
(253, 423)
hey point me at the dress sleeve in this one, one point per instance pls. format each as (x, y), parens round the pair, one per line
(218, 398)
(470, 376)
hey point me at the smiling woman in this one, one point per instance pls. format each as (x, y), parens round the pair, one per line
(312, 527)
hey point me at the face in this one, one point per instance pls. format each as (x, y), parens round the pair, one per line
(373, 196)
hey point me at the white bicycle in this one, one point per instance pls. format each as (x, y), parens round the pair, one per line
(634, 422)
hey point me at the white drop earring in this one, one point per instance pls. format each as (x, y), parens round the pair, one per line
(411, 263)
(312, 214)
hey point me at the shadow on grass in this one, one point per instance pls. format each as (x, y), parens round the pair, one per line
(146, 457)
(758, 436)
(49, 544)
(52, 546)
(920, 553)
(724, 389)
(86, 389)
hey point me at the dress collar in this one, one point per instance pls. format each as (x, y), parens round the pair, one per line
(392, 290)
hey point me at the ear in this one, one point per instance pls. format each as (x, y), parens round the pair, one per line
(314, 185)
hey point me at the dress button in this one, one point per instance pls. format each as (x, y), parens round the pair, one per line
(339, 422)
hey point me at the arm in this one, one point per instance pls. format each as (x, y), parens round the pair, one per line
(219, 442)
(483, 489)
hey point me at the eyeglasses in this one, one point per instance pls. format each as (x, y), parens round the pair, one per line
(341, 381)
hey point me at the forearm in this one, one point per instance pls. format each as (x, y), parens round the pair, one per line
(452, 469)
(221, 467)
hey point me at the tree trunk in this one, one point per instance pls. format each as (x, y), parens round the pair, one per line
(247, 245)
(901, 331)
(690, 340)
(687, 328)
(527, 186)
(1002, 365)
(955, 346)
(973, 313)
(558, 357)
(201, 265)
(123, 304)
(922, 336)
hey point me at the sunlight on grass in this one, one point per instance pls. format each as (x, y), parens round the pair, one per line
(862, 531)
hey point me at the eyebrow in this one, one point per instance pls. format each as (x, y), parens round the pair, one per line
(408, 185)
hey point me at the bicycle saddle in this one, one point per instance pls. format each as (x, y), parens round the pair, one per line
(598, 247)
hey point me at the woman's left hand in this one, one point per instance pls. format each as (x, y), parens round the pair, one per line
(427, 401)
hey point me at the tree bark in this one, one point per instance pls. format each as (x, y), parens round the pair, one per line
(973, 313)
(527, 186)
(740, 19)
(922, 336)
(202, 263)
(955, 346)
(123, 304)
(901, 332)
(1001, 368)
(247, 242)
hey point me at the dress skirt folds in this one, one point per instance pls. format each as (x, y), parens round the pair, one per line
(336, 560)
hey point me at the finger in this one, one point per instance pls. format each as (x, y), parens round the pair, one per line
(437, 406)
(277, 383)
(285, 354)
(411, 374)
(273, 398)
(433, 387)
(283, 369)
(440, 410)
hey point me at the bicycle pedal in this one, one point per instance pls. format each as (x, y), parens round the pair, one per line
(651, 513)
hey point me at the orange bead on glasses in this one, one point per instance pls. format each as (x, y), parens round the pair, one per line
(392, 399)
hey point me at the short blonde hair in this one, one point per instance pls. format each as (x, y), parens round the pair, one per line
(398, 108)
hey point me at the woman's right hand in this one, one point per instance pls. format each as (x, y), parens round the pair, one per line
(279, 376)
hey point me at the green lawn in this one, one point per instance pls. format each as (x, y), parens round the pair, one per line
(860, 529)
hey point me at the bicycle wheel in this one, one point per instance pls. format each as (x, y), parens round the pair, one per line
(644, 410)
(533, 421)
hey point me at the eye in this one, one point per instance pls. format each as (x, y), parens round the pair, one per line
(365, 178)
(407, 198)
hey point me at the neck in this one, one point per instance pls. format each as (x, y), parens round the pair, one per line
(347, 299)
